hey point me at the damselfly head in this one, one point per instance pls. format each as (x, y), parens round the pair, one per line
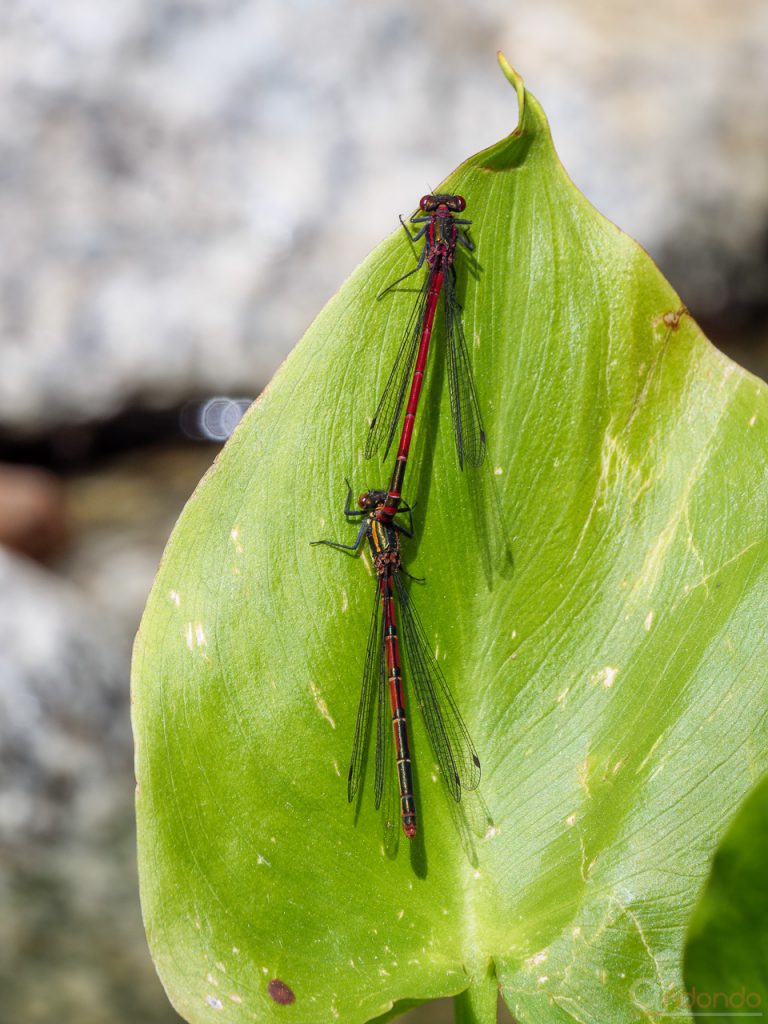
(431, 202)
(370, 499)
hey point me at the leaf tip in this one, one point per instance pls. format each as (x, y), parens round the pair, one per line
(516, 81)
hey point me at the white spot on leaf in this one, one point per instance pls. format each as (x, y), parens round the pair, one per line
(320, 704)
(234, 536)
(582, 773)
(194, 634)
(607, 676)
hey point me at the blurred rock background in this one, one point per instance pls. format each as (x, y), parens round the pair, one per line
(182, 186)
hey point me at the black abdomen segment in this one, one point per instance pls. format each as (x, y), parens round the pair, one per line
(404, 776)
(397, 704)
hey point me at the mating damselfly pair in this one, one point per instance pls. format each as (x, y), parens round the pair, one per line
(396, 639)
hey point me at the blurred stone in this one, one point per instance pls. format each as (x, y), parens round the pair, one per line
(72, 946)
(183, 186)
(122, 514)
(33, 513)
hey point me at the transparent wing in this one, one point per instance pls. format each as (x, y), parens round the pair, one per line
(372, 679)
(453, 748)
(387, 415)
(467, 421)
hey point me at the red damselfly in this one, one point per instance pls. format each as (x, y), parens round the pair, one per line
(441, 233)
(383, 673)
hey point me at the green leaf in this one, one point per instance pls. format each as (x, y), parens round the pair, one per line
(597, 596)
(726, 954)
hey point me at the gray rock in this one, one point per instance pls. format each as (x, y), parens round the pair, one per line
(183, 185)
(72, 946)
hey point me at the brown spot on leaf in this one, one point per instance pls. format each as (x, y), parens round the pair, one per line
(280, 992)
(673, 317)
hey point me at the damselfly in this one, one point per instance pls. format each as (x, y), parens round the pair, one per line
(441, 233)
(383, 673)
